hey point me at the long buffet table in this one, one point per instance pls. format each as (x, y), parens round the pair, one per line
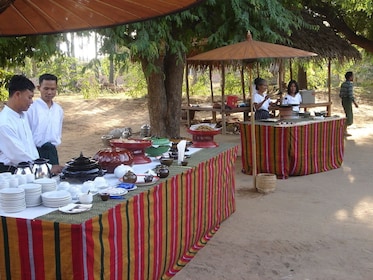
(294, 147)
(150, 234)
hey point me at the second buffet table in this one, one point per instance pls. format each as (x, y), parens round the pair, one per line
(294, 147)
(150, 234)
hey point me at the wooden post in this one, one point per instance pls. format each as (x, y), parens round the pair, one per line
(223, 99)
(187, 92)
(329, 88)
(212, 93)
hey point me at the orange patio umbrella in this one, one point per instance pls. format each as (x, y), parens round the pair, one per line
(28, 17)
(245, 53)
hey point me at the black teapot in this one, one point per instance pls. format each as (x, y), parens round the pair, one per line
(163, 171)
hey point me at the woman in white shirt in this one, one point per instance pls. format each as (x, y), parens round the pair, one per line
(292, 97)
(261, 100)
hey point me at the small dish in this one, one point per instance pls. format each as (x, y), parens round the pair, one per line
(127, 186)
(141, 183)
(114, 191)
(73, 208)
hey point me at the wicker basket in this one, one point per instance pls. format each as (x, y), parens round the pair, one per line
(265, 182)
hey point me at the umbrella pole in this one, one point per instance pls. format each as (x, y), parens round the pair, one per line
(252, 119)
(243, 83)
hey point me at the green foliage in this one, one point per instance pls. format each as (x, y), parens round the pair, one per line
(4, 78)
(89, 86)
(14, 50)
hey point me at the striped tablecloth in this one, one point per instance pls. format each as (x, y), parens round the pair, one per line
(298, 149)
(151, 235)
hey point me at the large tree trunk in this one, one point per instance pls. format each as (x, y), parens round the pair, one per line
(164, 95)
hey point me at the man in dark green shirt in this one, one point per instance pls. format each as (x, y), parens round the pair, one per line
(347, 95)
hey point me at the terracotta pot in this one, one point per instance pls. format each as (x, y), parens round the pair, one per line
(110, 158)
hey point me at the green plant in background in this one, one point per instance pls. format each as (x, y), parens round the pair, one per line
(89, 85)
(4, 78)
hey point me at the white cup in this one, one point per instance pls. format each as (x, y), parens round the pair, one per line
(13, 182)
(64, 186)
(86, 198)
(21, 179)
(30, 178)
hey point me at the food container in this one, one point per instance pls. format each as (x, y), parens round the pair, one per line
(136, 147)
(158, 147)
(81, 169)
(204, 138)
(110, 158)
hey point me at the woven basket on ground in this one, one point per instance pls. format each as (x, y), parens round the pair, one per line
(265, 182)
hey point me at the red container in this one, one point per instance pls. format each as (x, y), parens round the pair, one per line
(232, 101)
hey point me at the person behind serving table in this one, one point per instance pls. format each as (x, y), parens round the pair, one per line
(45, 118)
(346, 93)
(292, 96)
(261, 101)
(16, 143)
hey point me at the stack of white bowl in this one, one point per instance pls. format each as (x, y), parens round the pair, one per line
(56, 199)
(12, 199)
(47, 184)
(32, 194)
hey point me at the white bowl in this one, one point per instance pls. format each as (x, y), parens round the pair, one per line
(86, 198)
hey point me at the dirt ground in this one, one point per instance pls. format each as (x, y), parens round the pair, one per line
(318, 226)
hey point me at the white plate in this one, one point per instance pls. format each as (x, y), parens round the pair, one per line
(140, 181)
(73, 208)
(53, 195)
(114, 191)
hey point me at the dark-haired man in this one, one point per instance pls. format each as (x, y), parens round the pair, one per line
(45, 118)
(16, 143)
(347, 95)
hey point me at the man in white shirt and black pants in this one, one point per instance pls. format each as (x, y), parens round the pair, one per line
(45, 118)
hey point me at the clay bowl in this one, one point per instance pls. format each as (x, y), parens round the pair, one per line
(166, 161)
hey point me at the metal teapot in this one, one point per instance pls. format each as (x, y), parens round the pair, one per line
(145, 130)
(24, 168)
(41, 168)
(127, 132)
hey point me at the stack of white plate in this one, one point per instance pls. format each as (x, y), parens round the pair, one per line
(4, 183)
(56, 199)
(32, 194)
(47, 184)
(12, 199)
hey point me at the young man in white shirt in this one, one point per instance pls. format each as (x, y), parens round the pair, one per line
(45, 118)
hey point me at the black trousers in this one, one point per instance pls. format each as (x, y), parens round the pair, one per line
(7, 168)
(49, 151)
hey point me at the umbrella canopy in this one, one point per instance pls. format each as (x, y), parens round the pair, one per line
(248, 50)
(28, 17)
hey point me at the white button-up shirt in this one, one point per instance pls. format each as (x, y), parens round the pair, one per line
(16, 143)
(45, 122)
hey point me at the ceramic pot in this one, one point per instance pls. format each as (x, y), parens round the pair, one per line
(110, 158)
(163, 172)
(129, 177)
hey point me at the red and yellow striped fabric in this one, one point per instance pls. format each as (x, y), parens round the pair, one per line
(294, 150)
(150, 236)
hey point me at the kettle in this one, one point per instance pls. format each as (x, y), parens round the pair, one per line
(145, 130)
(127, 132)
(24, 168)
(41, 168)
